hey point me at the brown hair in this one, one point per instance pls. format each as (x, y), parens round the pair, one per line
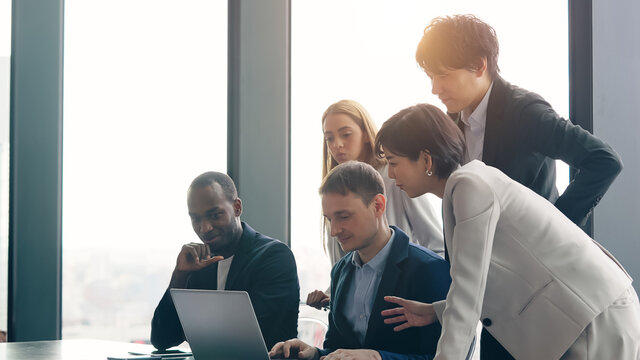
(458, 42)
(360, 116)
(423, 127)
(354, 177)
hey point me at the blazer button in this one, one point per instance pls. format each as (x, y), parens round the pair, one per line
(486, 322)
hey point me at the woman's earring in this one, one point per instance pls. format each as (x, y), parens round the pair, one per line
(429, 172)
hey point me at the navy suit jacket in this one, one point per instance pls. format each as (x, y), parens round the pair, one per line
(411, 272)
(263, 267)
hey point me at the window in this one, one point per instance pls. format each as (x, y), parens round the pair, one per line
(364, 50)
(144, 113)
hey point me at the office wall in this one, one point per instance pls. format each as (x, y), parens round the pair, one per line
(4, 99)
(35, 171)
(4, 186)
(616, 92)
(258, 112)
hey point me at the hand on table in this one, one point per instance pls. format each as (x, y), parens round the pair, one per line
(294, 348)
(359, 354)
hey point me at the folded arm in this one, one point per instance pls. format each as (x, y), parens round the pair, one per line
(166, 330)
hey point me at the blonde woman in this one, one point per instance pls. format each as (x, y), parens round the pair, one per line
(349, 134)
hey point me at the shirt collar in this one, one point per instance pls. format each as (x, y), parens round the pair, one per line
(479, 116)
(378, 262)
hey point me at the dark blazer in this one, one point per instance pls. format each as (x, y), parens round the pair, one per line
(523, 136)
(263, 267)
(412, 272)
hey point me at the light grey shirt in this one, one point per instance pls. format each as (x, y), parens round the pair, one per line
(474, 126)
(362, 290)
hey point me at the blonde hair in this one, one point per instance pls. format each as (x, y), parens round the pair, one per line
(360, 116)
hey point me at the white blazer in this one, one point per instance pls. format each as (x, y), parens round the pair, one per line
(533, 277)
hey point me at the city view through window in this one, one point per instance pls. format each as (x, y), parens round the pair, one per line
(145, 96)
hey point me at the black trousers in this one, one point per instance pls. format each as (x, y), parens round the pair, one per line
(490, 348)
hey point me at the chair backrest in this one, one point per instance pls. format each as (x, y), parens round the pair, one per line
(312, 325)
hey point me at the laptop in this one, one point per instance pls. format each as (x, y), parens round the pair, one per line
(220, 325)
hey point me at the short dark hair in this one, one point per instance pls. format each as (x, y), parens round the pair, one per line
(356, 177)
(458, 42)
(214, 177)
(423, 127)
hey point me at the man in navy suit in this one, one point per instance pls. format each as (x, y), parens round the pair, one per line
(510, 128)
(232, 256)
(380, 261)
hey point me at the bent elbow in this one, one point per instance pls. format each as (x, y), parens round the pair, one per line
(618, 166)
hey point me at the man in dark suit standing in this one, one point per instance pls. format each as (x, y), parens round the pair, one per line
(510, 128)
(380, 261)
(232, 256)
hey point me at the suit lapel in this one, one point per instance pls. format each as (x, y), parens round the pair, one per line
(240, 257)
(388, 283)
(342, 284)
(495, 121)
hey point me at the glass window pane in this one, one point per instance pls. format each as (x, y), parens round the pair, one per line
(365, 50)
(144, 113)
(5, 60)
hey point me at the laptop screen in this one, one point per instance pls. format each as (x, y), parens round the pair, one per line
(219, 325)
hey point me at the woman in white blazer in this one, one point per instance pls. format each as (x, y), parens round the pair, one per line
(541, 286)
(348, 134)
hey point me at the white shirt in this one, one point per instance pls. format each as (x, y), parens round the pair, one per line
(474, 126)
(223, 271)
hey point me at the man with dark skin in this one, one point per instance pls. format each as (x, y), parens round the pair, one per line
(232, 256)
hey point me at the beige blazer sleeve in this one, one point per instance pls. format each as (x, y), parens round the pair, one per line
(471, 210)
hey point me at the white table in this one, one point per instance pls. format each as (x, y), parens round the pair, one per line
(69, 350)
